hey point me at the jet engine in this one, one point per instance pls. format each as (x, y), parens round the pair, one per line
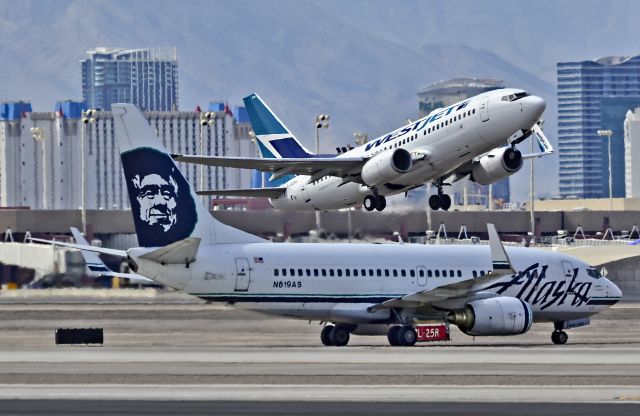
(500, 315)
(495, 165)
(386, 166)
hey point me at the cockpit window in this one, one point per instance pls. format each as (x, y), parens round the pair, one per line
(515, 97)
(591, 271)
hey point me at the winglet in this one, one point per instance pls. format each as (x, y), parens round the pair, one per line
(499, 259)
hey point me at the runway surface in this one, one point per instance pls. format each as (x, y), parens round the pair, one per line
(199, 358)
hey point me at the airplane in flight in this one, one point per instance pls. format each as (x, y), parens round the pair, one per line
(476, 137)
(365, 289)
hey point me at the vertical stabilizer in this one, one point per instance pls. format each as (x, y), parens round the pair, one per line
(164, 207)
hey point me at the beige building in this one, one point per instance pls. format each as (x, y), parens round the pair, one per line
(632, 153)
(41, 156)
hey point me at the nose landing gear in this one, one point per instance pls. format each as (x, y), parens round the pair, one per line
(558, 336)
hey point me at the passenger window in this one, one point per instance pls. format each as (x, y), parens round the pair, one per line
(276, 272)
(473, 111)
(403, 273)
(386, 272)
(363, 272)
(481, 272)
(429, 274)
(299, 272)
(474, 273)
(412, 273)
(379, 272)
(339, 272)
(451, 274)
(437, 272)
(324, 272)
(371, 272)
(284, 272)
(292, 272)
(395, 273)
(331, 272)
(347, 273)
(444, 273)
(459, 273)
(355, 272)
(446, 122)
(315, 272)
(420, 273)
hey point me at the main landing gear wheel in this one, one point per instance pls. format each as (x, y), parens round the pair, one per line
(402, 336)
(372, 202)
(440, 201)
(332, 335)
(559, 337)
(325, 335)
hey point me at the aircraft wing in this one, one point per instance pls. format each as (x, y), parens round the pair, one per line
(501, 267)
(327, 166)
(246, 193)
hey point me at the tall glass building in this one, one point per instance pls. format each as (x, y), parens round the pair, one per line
(594, 95)
(147, 78)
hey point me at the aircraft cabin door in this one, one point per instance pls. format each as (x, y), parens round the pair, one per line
(484, 110)
(422, 276)
(243, 274)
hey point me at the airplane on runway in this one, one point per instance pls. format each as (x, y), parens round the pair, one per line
(96, 267)
(476, 137)
(365, 289)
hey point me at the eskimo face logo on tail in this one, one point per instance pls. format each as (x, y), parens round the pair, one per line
(163, 208)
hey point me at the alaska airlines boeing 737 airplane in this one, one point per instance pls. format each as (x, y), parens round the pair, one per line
(367, 289)
(475, 138)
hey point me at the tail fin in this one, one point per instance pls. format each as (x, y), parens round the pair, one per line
(165, 209)
(274, 139)
(94, 264)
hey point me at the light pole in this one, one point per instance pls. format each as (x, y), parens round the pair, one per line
(38, 135)
(87, 118)
(206, 120)
(322, 122)
(608, 134)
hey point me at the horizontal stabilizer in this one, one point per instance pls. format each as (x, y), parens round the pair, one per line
(246, 193)
(180, 252)
(110, 251)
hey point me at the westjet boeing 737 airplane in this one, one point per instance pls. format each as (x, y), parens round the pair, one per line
(368, 289)
(475, 138)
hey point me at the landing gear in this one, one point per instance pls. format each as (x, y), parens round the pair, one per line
(372, 202)
(402, 336)
(334, 335)
(559, 337)
(441, 200)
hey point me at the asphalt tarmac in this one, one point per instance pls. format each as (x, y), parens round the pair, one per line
(167, 357)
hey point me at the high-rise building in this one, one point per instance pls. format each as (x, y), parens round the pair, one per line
(147, 78)
(594, 95)
(445, 93)
(41, 153)
(632, 153)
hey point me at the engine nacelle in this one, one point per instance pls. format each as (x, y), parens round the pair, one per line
(496, 165)
(501, 315)
(386, 166)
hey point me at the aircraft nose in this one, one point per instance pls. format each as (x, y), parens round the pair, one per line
(534, 106)
(614, 290)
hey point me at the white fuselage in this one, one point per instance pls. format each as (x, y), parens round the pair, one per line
(338, 282)
(447, 139)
